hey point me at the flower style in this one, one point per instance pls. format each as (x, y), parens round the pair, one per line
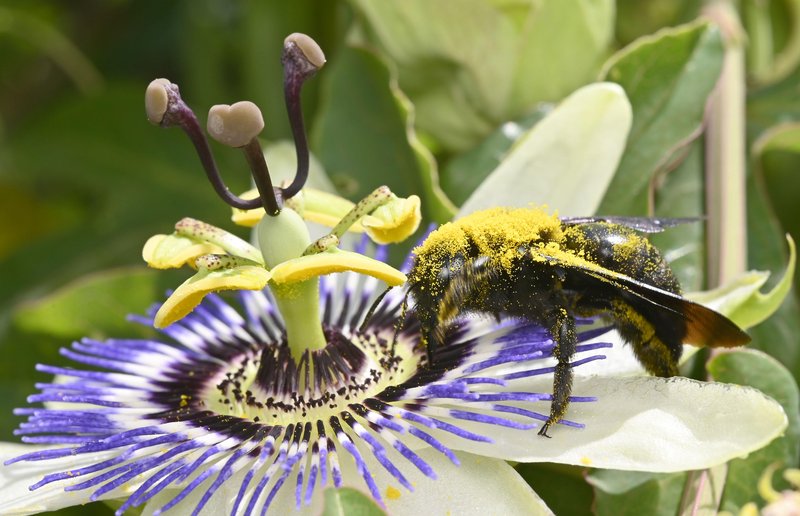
(314, 378)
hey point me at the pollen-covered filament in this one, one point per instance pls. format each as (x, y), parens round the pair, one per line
(273, 388)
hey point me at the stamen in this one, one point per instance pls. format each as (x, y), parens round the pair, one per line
(239, 126)
(301, 58)
(166, 108)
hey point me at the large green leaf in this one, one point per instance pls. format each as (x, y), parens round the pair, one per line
(773, 105)
(773, 30)
(465, 172)
(347, 501)
(780, 334)
(552, 481)
(668, 77)
(680, 194)
(627, 493)
(92, 305)
(776, 154)
(756, 369)
(491, 61)
(364, 138)
(558, 162)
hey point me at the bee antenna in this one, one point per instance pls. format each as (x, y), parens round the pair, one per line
(372, 309)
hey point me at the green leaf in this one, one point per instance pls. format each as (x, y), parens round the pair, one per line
(349, 502)
(756, 369)
(92, 305)
(773, 105)
(551, 481)
(561, 163)
(668, 77)
(779, 335)
(364, 135)
(681, 194)
(773, 31)
(491, 61)
(619, 493)
(742, 301)
(464, 173)
(776, 154)
(563, 42)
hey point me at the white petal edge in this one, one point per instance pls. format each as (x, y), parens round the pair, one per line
(566, 160)
(15, 479)
(479, 485)
(642, 424)
(620, 360)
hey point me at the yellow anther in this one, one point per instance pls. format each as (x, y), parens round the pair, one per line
(192, 291)
(394, 221)
(305, 267)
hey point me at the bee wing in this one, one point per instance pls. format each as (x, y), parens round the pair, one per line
(643, 224)
(704, 327)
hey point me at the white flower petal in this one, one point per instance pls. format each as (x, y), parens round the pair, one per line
(620, 360)
(16, 498)
(643, 424)
(479, 485)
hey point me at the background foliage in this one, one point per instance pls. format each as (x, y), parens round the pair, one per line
(427, 96)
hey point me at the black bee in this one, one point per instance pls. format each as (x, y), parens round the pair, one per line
(528, 264)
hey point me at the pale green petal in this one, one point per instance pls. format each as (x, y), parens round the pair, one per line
(305, 267)
(642, 424)
(566, 160)
(16, 498)
(741, 299)
(479, 485)
(193, 290)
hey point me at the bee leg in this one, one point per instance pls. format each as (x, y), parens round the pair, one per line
(563, 331)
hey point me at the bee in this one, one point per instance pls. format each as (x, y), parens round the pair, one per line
(525, 263)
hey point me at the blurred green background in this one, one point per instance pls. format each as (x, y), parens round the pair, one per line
(85, 180)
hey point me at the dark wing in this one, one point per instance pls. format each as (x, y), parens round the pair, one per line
(643, 224)
(704, 327)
